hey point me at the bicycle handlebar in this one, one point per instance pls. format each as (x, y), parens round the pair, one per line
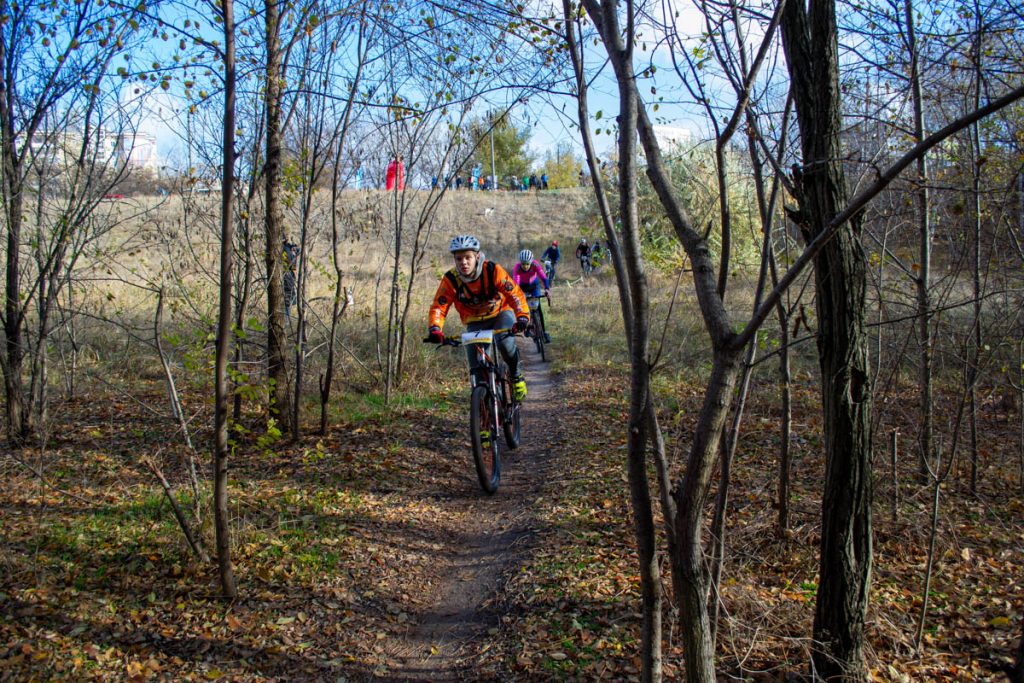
(455, 340)
(448, 341)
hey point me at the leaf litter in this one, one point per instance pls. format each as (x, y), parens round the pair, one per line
(339, 555)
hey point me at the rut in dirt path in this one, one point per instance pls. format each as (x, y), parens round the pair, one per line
(498, 532)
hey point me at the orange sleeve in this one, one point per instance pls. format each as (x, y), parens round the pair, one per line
(511, 292)
(443, 299)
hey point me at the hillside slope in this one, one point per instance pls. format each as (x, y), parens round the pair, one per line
(509, 221)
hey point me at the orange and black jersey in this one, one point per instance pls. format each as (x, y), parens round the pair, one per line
(484, 298)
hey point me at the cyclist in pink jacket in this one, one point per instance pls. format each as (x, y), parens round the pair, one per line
(529, 275)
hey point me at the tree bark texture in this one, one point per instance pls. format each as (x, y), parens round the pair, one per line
(18, 418)
(276, 333)
(639, 488)
(811, 46)
(225, 340)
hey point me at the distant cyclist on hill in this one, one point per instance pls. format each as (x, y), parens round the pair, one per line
(486, 299)
(552, 255)
(530, 277)
(583, 254)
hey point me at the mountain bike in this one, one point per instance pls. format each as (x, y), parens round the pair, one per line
(585, 265)
(493, 407)
(537, 328)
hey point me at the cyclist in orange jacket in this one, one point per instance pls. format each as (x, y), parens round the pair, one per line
(486, 299)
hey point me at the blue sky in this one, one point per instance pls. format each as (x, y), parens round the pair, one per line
(544, 114)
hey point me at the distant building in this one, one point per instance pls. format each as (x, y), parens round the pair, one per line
(139, 151)
(136, 151)
(672, 139)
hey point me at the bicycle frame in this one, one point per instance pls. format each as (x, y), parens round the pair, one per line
(483, 343)
(495, 374)
(493, 406)
(491, 386)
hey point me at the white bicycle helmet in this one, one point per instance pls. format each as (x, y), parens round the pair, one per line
(526, 257)
(464, 242)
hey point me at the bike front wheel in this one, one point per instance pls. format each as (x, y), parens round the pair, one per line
(483, 433)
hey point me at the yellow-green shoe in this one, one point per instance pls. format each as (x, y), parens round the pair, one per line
(519, 388)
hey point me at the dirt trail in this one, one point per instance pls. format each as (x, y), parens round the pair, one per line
(443, 643)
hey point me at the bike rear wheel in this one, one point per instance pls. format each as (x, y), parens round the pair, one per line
(510, 424)
(483, 431)
(538, 336)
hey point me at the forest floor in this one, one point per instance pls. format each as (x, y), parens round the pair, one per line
(372, 554)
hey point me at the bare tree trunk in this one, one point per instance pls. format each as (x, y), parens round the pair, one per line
(767, 210)
(338, 309)
(632, 288)
(71, 369)
(194, 542)
(300, 313)
(224, 338)
(176, 410)
(930, 564)
(894, 454)
(415, 258)
(39, 397)
(785, 428)
(937, 475)
(728, 445)
(728, 450)
(1020, 419)
(811, 47)
(243, 293)
(643, 517)
(785, 375)
(830, 224)
(786, 419)
(327, 378)
(276, 333)
(394, 332)
(19, 424)
(639, 419)
(922, 282)
(974, 356)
